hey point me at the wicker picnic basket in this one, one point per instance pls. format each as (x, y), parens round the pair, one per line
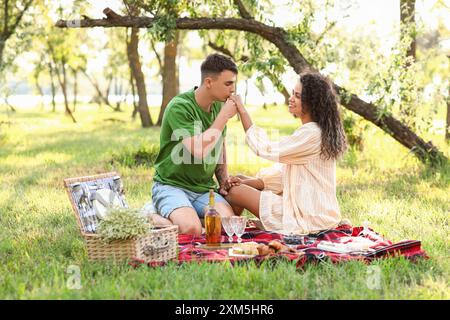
(159, 245)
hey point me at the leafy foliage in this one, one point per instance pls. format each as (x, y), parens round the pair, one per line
(145, 155)
(122, 224)
(354, 130)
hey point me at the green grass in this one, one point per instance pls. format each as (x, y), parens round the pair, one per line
(39, 237)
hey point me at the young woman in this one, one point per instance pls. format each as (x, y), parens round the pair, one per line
(298, 194)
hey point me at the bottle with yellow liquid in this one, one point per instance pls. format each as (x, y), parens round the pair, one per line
(213, 223)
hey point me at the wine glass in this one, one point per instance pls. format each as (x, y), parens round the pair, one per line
(228, 227)
(239, 224)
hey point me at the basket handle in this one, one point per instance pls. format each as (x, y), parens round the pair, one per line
(150, 249)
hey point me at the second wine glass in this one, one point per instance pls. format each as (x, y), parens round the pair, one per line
(239, 224)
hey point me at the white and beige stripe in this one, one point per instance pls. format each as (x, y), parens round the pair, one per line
(299, 193)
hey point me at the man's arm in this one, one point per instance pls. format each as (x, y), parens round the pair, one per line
(246, 120)
(222, 171)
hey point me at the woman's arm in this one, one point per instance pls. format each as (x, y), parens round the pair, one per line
(254, 183)
(243, 114)
(249, 181)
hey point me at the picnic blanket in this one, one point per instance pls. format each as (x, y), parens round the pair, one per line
(310, 251)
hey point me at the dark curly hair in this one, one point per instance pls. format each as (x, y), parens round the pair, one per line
(319, 100)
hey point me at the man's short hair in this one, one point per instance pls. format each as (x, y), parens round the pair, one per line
(216, 63)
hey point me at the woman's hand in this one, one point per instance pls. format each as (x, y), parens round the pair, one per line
(233, 181)
(245, 117)
(238, 101)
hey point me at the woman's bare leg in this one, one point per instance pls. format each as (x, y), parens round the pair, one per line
(237, 210)
(246, 197)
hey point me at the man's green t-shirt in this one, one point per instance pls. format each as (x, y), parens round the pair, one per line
(175, 165)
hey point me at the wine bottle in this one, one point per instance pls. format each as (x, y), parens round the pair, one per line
(213, 223)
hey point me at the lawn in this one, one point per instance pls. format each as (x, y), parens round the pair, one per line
(40, 242)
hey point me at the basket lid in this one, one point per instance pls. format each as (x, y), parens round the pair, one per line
(91, 196)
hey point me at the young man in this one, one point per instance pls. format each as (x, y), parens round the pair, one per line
(192, 148)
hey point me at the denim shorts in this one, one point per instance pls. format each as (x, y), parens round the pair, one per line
(167, 198)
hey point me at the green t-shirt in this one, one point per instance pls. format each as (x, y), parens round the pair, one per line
(175, 165)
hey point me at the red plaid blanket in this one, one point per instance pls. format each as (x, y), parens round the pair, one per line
(308, 252)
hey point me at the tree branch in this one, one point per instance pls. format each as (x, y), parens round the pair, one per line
(242, 10)
(327, 29)
(158, 57)
(20, 15)
(226, 52)
(5, 18)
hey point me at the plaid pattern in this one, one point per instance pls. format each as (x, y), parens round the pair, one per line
(308, 253)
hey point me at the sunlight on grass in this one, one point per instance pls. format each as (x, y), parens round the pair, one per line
(39, 237)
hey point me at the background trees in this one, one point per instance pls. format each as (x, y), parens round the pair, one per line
(400, 86)
(296, 46)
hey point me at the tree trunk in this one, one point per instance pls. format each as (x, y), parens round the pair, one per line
(11, 21)
(447, 127)
(425, 151)
(2, 47)
(408, 17)
(63, 84)
(39, 88)
(286, 96)
(169, 75)
(138, 75)
(52, 85)
(283, 90)
(75, 88)
(133, 92)
(117, 93)
(101, 97)
(407, 29)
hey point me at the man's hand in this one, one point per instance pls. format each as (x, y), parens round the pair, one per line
(228, 184)
(223, 190)
(229, 109)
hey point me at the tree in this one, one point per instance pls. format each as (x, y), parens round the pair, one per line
(447, 126)
(169, 74)
(286, 43)
(138, 77)
(263, 67)
(108, 73)
(407, 25)
(408, 35)
(135, 64)
(11, 15)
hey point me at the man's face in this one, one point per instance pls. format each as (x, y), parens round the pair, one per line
(221, 86)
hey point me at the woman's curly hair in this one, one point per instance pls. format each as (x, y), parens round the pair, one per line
(319, 100)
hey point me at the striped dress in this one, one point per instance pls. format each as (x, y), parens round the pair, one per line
(299, 193)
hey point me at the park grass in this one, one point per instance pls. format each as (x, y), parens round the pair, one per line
(40, 240)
